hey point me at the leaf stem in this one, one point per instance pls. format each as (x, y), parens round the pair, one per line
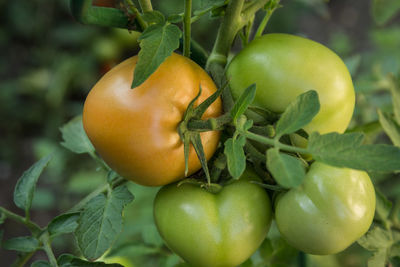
(273, 142)
(137, 14)
(187, 28)
(145, 5)
(47, 248)
(33, 227)
(22, 259)
(266, 18)
(97, 191)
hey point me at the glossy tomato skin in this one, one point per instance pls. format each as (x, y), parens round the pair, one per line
(284, 66)
(331, 209)
(135, 130)
(206, 229)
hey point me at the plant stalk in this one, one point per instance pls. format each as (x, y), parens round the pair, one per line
(187, 28)
(145, 5)
(33, 227)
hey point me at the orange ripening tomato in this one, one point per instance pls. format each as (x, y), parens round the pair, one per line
(135, 130)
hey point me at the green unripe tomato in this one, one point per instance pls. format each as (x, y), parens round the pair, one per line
(284, 66)
(213, 229)
(331, 209)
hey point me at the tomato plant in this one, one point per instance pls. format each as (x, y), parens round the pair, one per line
(284, 66)
(213, 229)
(135, 130)
(331, 209)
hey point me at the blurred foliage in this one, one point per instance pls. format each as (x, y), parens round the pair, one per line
(49, 62)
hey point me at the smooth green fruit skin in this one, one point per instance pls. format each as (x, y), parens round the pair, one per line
(284, 66)
(206, 229)
(332, 209)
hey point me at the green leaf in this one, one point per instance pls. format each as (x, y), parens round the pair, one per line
(236, 159)
(63, 224)
(22, 244)
(154, 16)
(41, 264)
(25, 188)
(390, 126)
(243, 102)
(383, 206)
(298, 114)
(157, 43)
(75, 138)
(345, 150)
(67, 260)
(288, 171)
(376, 239)
(101, 222)
(378, 259)
(384, 10)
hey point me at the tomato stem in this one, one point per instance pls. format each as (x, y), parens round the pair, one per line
(33, 227)
(137, 14)
(273, 142)
(187, 27)
(145, 5)
(47, 248)
(266, 18)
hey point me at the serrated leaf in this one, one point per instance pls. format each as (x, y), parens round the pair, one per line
(298, 114)
(378, 259)
(236, 159)
(376, 239)
(25, 187)
(390, 126)
(383, 206)
(22, 244)
(154, 16)
(67, 260)
(288, 171)
(101, 221)
(157, 43)
(75, 138)
(245, 99)
(384, 10)
(41, 264)
(345, 150)
(63, 224)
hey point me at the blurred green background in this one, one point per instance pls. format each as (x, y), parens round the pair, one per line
(49, 62)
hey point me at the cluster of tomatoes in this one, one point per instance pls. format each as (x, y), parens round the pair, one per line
(135, 131)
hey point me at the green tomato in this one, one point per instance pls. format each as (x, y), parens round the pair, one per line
(331, 209)
(284, 66)
(213, 229)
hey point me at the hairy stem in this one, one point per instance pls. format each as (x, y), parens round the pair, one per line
(273, 142)
(138, 16)
(145, 5)
(187, 28)
(47, 248)
(33, 227)
(226, 34)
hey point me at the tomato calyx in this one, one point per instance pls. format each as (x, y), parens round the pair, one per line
(209, 187)
(189, 136)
